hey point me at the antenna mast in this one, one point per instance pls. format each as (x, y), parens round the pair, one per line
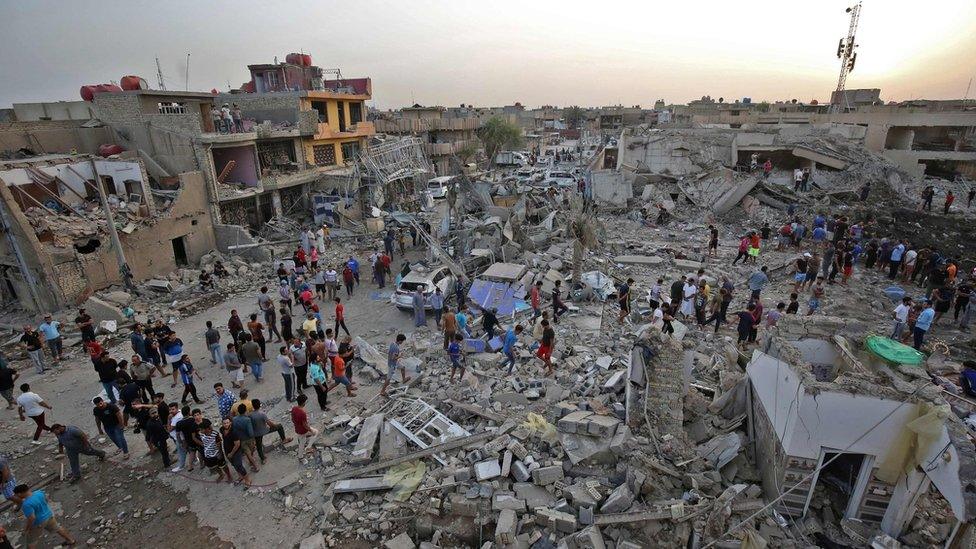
(846, 47)
(159, 75)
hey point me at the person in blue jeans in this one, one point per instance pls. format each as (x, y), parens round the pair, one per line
(457, 360)
(922, 324)
(108, 420)
(508, 346)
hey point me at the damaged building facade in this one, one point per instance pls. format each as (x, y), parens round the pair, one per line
(58, 249)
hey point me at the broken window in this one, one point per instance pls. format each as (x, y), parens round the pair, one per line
(323, 108)
(324, 154)
(355, 112)
(277, 156)
(349, 151)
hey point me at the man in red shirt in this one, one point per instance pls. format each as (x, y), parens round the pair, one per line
(535, 295)
(340, 317)
(306, 433)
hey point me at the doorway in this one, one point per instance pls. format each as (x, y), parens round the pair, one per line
(840, 481)
(179, 251)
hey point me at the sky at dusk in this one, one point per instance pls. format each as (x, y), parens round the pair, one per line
(496, 53)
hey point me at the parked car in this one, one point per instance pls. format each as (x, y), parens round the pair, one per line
(509, 158)
(560, 179)
(426, 280)
(437, 187)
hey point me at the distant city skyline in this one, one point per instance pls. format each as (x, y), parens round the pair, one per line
(536, 53)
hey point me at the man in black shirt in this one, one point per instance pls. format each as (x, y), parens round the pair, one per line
(489, 320)
(677, 287)
(108, 420)
(186, 428)
(31, 338)
(107, 370)
(86, 325)
(7, 378)
(558, 307)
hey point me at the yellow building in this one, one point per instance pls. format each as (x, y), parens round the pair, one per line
(342, 129)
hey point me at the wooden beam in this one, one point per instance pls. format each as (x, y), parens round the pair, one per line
(34, 200)
(59, 200)
(83, 178)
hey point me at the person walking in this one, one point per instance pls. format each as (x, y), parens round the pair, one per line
(950, 197)
(319, 382)
(535, 298)
(186, 370)
(340, 316)
(449, 328)
(456, 356)
(306, 433)
(213, 452)
(39, 517)
(261, 426)
(108, 421)
(712, 241)
(31, 341)
(757, 281)
(558, 307)
(508, 346)
(546, 345)
(393, 363)
(623, 299)
(436, 305)
(30, 404)
(299, 351)
(8, 376)
(348, 280)
(254, 356)
(74, 442)
(142, 372)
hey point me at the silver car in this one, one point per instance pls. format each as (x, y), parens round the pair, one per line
(426, 280)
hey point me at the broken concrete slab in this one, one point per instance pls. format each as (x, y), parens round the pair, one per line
(506, 527)
(316, 541)
(487, 470)
(619, 500)
(101, 310)
(402, 541)
(533, 496)
(363, 451)
(639, 260)
(366, 484)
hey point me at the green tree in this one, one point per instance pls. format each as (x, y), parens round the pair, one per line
(574, 116)
(499, 134)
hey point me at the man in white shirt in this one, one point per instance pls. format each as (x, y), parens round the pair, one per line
(797, 179)
(911, 256)
(31, 405)
(901, 318)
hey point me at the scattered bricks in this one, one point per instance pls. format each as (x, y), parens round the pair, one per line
(586, 515)
(349, 435)
(496, 445)
(462, 475)
(753, 491)
(602, 426)
(506, 527)
(592, 489)
(562, 506)
(506, 464)
(563, 409)
(520, 472)
(588, 538)
(475, 456)
(501, 501)
(518, 449)
(487, 470)
(559, 485)
(574, 422)
(562, 522)
(544, 476)
(628, 545)
(534, 496)
(619, 500)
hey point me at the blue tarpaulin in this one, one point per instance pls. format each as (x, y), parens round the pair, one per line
(498, 295)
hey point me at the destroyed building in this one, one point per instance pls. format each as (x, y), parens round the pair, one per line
(58, 248)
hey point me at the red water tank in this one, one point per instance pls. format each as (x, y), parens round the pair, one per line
(108, 150)
(294, 58)
(306, 60)
(134, 83)
(88, 92)
(248, 87)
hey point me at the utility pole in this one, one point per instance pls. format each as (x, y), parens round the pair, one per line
(116, 243)
(159, 76)
(187, 86)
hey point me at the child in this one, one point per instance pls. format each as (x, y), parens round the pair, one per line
(773, 316)
(818, 293)
(457, 358)
(794, 305)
